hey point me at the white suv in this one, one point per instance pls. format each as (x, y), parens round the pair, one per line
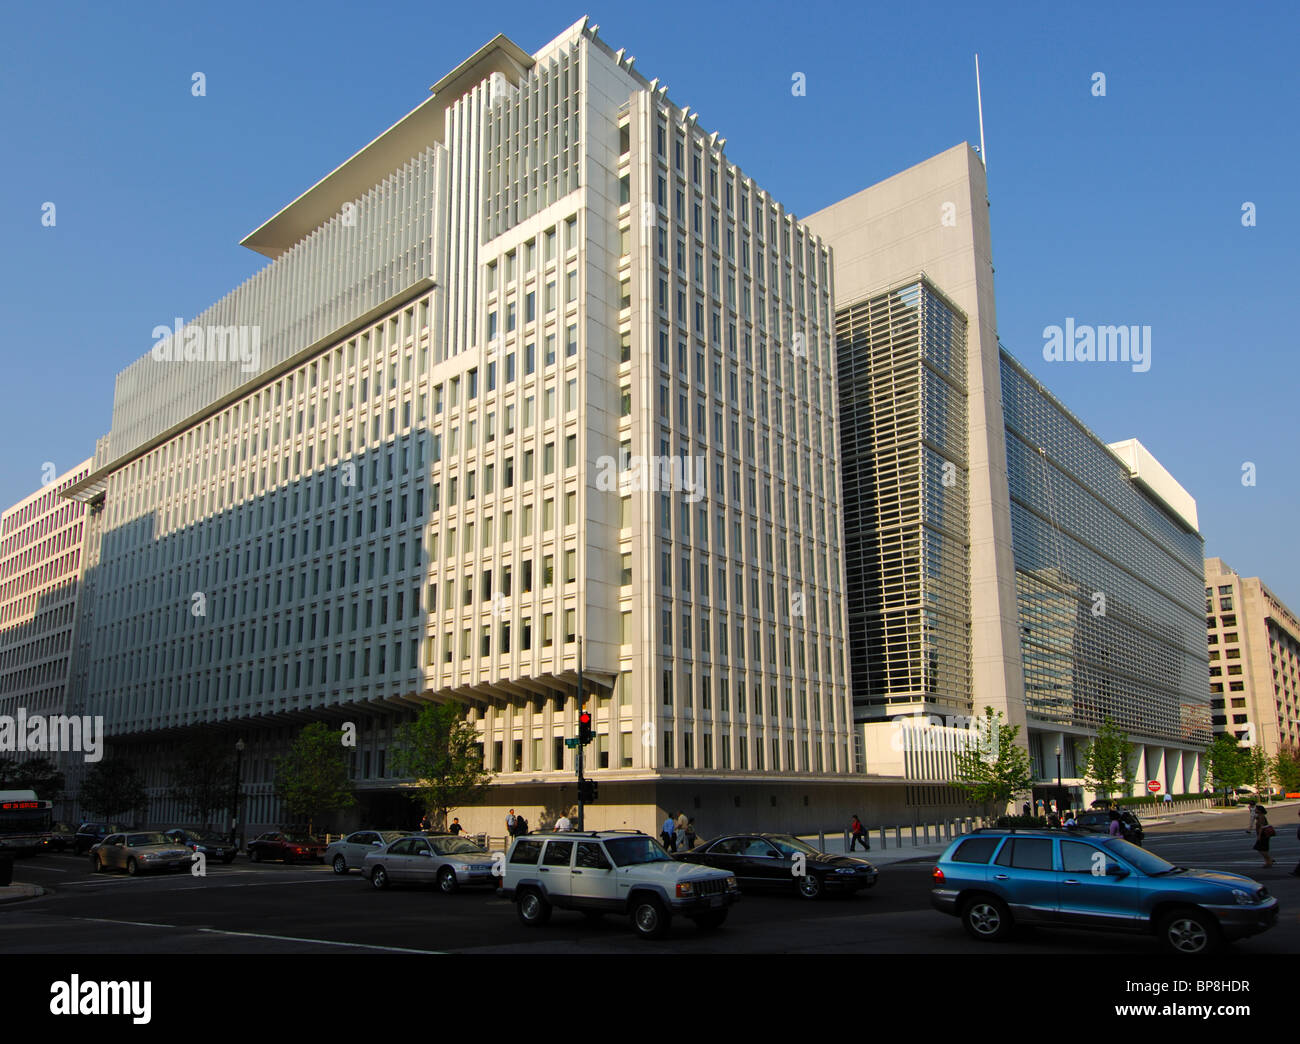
(613, 871)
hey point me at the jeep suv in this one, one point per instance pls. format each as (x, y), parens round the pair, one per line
(613, 871)
(997, 879)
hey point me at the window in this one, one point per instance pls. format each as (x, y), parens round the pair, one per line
(1027, 853)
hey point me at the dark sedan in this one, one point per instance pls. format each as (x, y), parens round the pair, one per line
(90, 834)
(213, 846)
(59, 837)
(783, 862)
(1099, 823)
(276, 844)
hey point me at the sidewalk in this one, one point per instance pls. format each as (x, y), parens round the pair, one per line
(14, 892)
(882, 856)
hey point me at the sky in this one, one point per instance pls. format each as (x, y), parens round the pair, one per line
(1113, 202)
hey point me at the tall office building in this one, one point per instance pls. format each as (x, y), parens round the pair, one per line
(42, 547)
(999, 554)
(536, 367)
(1254, 642)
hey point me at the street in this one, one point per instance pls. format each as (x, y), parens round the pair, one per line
(272, 908)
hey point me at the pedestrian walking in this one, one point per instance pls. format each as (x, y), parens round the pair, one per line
(1026, 811)
(563, 825)
(1070, 821)
(857, 832)
(1264, 832)
(521, 825)
(1296, 871)
(679, 834)
(424, 823)
(690, 833)
(666, 832)
(512, 823)
(1168, 798)
(455, 827)
(1116, 827)
(1250, 823)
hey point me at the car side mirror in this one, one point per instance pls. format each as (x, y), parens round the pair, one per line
(1115, 870)
(377, 844)
(427, 854)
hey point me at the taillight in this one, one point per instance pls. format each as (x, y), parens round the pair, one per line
(938, 875)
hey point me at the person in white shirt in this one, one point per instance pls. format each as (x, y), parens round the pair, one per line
(562, 824)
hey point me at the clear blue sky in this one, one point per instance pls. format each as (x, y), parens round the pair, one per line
(1120, 209)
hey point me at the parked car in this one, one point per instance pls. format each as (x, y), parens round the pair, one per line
(995, 880)
(783, 862)
(348, 853)
(138, 851)
(449, 861)
(59, 837)
(212, 845)
(90, 834)
(614, 871)
(1099, 823)
(289, 848)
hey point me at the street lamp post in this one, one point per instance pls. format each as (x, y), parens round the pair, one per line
(1058, 774)
(236, 810)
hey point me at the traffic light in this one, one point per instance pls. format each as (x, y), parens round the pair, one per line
(588, 791)
(585, 734)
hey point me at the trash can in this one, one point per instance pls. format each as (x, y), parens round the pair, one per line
(6, 869)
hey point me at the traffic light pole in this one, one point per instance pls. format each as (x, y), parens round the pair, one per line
(581, 745)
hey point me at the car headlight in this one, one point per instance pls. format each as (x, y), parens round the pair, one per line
(149, 855)
(1243, 898)
(685, 889)
(845, 870)
(732, 884)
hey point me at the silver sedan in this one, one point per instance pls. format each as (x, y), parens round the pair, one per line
(448, 861)
(349, 853)
(137, 852)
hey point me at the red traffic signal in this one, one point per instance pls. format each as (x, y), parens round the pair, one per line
(585, 733)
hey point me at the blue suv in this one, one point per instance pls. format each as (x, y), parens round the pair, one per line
(996, 879)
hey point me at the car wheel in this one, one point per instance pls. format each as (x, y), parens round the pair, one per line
(712, 919)
(132, 867)
(809, 886)
(340, 865)
(96, 866)
(987, 918)
(649, 918)
(532, 908)
(1189, 931)
(379, 878)
(447, 883)
(255, 855)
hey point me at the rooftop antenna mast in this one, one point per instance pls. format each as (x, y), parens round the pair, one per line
(979, 99)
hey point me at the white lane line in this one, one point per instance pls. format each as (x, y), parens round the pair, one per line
(110, 920)
(319, 942)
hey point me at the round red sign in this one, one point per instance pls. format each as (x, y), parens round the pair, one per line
(1153, 785)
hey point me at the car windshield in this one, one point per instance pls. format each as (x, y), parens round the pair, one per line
(197, 835)
(1145, 861)
(135, 840)
(629, 851)
(300, 839)
(792, 845)
(455, 846)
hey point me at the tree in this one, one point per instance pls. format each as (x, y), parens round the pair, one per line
(38, 774)
(202, 778)
(1259, 770)
(113, 789)
(313, 777)
(1108, 760)
(439, 750)
(1286, 768)
(993, 768)
(1226, 763)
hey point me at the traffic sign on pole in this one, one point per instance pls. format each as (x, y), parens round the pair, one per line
(1153, 785)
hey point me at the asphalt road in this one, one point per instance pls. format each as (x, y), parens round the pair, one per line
(308, 909)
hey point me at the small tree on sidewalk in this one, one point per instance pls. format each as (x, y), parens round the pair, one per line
(440, 751)
(313, 777)
(1108, 760)
(1226, 764)
(993, 768)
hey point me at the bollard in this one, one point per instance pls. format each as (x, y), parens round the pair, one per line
(821, 840)
(898, 837)
(913, 835)
(881, 831)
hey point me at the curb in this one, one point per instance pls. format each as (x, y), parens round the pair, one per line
(15, 893)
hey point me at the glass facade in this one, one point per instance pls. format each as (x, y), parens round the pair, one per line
(902, 366)
(1109, 583)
